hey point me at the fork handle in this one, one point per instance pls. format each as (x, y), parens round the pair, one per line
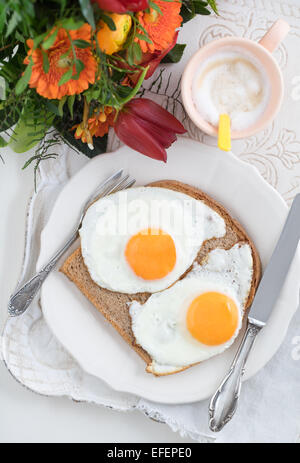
(22, 298)
(224, 403)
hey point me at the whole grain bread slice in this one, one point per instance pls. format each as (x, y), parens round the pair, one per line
(114, 305)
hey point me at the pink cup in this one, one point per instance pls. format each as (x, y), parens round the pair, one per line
(262, 51)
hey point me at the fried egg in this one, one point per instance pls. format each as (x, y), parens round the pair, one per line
(144, 239)
(199, 316)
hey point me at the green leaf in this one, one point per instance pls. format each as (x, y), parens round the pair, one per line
(12, 23)
(52, 107)
(213, 5)
(28, 133)
(123, 91)
(46, 64)
(187, 11)
(200, 2)
(61, 105)
(71, 24)
(3, 17)
(37, 40)
(12, 68)
(28, 8)
(137, 51)
(3, 87)
(155, 7)
(92, 94)
(71, 101)
(175, 55)
(88, 12)
(79, 43)
(190, 8)
(130, 55)
(24, 80)
(66, 77)
(50, 40)
(142, 29)
(79, 66)
(143, 37)
(63, 6)
(9, 114)
(20, 37)
(200, 9)
(3, 142)
(109, 21)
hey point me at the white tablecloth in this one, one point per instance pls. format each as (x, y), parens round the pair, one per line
(270, 405)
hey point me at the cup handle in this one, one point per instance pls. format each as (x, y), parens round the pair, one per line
(275, 35)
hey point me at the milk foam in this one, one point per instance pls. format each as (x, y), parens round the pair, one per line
(231, 82)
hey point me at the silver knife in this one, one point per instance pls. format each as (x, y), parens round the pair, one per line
(224, 403)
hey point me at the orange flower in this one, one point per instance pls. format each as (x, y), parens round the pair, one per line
(82, 133)
(96, 126)
(60, 58)
(101, 121)
(160, 27)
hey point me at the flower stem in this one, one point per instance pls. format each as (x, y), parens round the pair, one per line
(86, 111)
(135, 90)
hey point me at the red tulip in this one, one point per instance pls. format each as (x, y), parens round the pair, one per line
(148, 128)
(121, 6)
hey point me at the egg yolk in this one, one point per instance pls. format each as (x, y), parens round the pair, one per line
(151, 254)
(212, 318)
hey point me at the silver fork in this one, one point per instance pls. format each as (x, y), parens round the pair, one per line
(22, 298)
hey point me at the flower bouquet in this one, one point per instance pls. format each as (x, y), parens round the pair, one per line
(75, 68)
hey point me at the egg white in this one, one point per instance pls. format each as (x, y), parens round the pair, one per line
(159, 325)
(111, 221)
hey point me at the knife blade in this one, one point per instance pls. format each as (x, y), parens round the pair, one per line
(225, 400)
(278, 266)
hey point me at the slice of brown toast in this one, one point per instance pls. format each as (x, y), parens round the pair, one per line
(114, 305)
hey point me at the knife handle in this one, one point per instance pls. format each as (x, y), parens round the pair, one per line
(224, 403)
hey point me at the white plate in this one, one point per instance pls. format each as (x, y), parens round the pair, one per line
(92, 341)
